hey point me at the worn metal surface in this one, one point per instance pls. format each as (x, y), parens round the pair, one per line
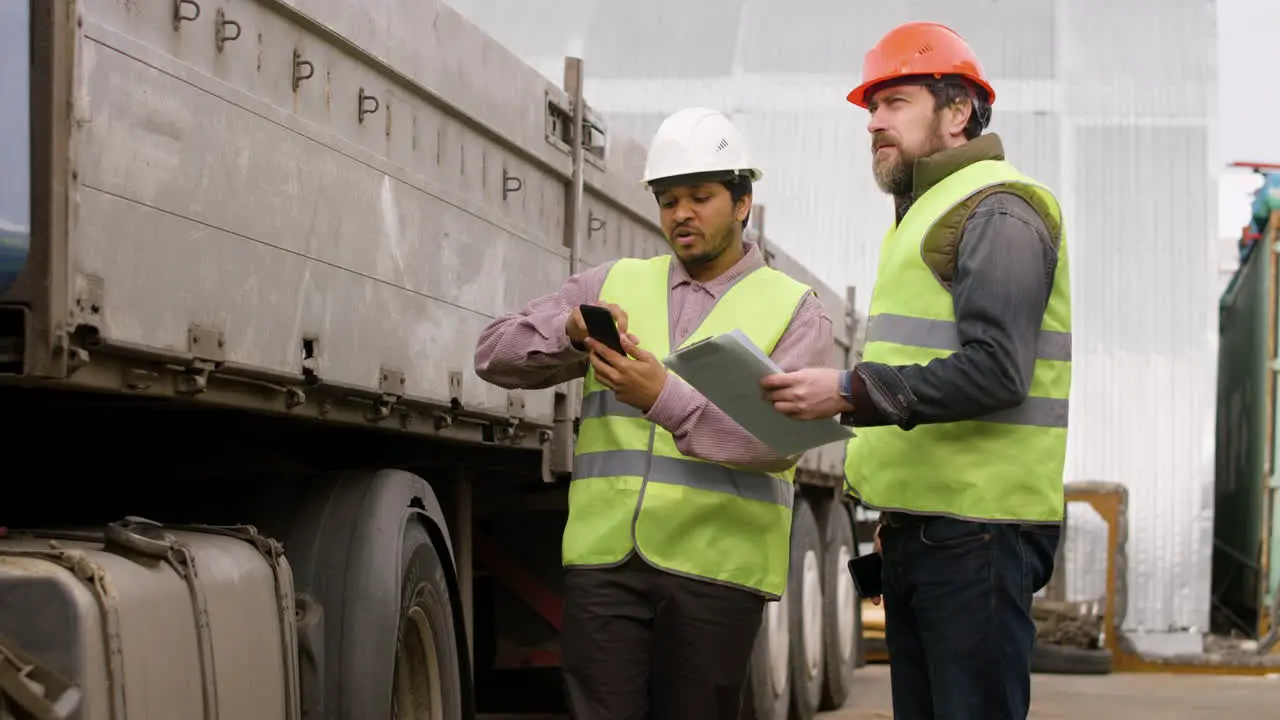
(1103, 100)
(342, 192)
(191, 622)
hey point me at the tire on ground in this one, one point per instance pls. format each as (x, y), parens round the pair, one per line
(768, 692)
(1067, 660)
(804, 588)
(841, 606)
(362, 545)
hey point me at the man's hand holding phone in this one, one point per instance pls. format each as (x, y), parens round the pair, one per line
(634, 375)
(576, 326)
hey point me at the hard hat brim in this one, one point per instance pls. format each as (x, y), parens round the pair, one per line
(858, 96)
(702, 176)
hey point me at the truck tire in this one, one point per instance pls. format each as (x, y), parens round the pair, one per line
(372, 549)
(804, 587)
(1051, 659)
(768, 693)
(840, 605)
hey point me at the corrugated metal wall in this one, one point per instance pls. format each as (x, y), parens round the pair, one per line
(1108, 101)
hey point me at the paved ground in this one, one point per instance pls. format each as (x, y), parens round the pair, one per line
(1123, 696)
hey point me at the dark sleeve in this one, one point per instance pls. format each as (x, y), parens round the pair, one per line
(1004, 274)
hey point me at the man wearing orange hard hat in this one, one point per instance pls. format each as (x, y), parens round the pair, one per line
(961, 397)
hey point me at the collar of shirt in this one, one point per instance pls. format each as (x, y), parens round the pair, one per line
(752, 260)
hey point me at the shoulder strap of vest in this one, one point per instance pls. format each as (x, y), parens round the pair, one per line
(962, 184)
(761, 304)
(637, 275)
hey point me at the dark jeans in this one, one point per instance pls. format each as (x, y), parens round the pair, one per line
(958, 626)
(638, 643)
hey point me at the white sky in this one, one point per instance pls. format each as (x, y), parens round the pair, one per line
(1249, 104)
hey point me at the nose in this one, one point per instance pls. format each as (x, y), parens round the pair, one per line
(682, 211)
(876, 122)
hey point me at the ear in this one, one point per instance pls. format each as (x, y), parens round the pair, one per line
(956, 116)
(742, 208)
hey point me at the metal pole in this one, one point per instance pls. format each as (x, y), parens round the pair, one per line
(463, 548)
(757, 216)
(573, 224)
(558, 453)
(851, 325)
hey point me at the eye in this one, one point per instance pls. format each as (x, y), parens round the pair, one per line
(701, 198)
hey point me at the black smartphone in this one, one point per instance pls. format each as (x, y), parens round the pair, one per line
(601, 327)
(865, 570)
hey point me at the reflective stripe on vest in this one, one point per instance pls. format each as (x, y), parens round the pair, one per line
(633, 490)
(1005, 466)
(942, 335)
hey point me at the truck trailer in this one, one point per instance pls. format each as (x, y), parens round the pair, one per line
(248, 246)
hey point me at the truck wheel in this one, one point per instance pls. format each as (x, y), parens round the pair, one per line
(769, 679)
(840, 605)
(805, 589)
(372, 549)
(1066, 660)
(427, 673)
(860, 644)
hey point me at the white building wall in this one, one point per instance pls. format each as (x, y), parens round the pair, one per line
(1108, 101)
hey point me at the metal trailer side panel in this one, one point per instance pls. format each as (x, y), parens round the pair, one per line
(368, 183)
(147, 635)
(210, 192)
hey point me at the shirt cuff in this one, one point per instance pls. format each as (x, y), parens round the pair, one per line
(673, 404)
(554, 332)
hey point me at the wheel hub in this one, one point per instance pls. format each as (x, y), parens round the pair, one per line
(417, 692)
(812, 614)
(845, 603)
(779, 639)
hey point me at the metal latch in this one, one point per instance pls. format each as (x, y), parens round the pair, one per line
(40, 691)
(208, 351)
(447, 418)
(391, 389)
(559, 129)
(515, 414)
(515, 406)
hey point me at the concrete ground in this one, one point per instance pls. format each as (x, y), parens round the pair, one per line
(1124, 696)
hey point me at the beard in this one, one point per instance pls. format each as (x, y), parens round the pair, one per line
(713, 246)
(896, 174)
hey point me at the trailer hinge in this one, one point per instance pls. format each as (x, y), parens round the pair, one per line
(515, 405)
(557, 444)
(448, 418)
(86, 306)
(515, 414)
(391, 389)
(207, 347)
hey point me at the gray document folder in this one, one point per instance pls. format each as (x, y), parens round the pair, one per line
(727, 370)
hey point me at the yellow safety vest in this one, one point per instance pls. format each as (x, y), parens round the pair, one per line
(632, 490)
(1006, 466)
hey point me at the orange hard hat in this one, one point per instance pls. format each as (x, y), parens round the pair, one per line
(919, 48)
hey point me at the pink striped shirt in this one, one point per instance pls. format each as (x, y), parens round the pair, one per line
(530, 349)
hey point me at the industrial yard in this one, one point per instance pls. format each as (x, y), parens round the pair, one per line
(253, 259)
(1121, 696)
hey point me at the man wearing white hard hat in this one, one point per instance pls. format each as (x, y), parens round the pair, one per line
(679, 520)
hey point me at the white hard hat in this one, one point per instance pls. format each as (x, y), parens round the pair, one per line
(697, 140)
